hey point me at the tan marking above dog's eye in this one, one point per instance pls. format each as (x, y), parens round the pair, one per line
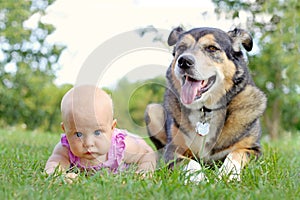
(211, 48)
(181, 48)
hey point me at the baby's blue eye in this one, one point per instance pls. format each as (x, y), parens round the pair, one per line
(78, 134)
(97, 132)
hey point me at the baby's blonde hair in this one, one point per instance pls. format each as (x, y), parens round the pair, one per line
(80, 96)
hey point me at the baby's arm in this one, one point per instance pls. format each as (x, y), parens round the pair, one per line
(59, 158)
(139, 152)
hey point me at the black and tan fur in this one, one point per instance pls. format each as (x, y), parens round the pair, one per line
(227, 99)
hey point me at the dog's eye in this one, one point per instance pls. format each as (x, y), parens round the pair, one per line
(211, 48)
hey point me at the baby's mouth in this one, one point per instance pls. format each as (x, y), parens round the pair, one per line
(88, 153)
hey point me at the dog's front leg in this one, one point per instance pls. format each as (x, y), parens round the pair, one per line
(194, 172)
(233, 164)
(169, 155)
(175, 149)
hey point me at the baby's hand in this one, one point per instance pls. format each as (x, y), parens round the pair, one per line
(144, 174)
(70, 177)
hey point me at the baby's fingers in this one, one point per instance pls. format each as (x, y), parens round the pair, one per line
(70, 177)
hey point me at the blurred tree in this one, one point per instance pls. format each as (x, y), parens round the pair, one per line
(150, 91)
(275, 26)
(51, 96)
(130, 101)
(27, 63)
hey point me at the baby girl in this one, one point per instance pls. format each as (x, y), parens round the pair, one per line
(92, 141)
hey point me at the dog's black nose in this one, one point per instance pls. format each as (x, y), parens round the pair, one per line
(186, 62)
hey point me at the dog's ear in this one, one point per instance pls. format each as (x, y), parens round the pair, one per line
(174, 36)
(240, 36)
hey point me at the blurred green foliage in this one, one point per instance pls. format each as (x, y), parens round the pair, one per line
(28, 64)
(130, 101)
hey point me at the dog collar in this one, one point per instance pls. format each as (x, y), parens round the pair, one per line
(207, 110)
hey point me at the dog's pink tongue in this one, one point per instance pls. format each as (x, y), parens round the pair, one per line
(189, 91)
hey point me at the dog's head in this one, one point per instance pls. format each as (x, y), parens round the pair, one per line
(206, 63)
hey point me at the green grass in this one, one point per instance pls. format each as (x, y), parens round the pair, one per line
(276, 175)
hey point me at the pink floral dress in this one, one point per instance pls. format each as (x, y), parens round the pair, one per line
(115, 154)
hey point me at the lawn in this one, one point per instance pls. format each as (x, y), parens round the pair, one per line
(276, 175)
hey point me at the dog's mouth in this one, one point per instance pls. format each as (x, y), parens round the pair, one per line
(193, 89)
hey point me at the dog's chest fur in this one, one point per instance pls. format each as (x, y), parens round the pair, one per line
(201, 145)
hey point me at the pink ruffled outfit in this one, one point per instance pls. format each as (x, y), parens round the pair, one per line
(115, 154)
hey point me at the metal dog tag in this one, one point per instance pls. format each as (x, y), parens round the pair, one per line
(202, 128)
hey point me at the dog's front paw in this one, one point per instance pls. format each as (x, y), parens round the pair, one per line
(193, 173)
(231, 169)
(230, 177)
(234, 177)
(194, 177)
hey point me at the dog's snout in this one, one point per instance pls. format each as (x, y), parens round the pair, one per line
(186, 62)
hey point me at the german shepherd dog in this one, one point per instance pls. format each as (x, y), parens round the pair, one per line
(211, 105)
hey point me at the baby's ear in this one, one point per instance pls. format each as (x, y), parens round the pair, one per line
(62, 126)
(114, 124)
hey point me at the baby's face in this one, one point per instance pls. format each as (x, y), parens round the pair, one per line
(89, 134)
(88, 123)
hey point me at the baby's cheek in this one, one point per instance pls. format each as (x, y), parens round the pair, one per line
(103, 146)
(76, 146)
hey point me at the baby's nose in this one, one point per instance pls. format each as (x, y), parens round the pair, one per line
(88, 141)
